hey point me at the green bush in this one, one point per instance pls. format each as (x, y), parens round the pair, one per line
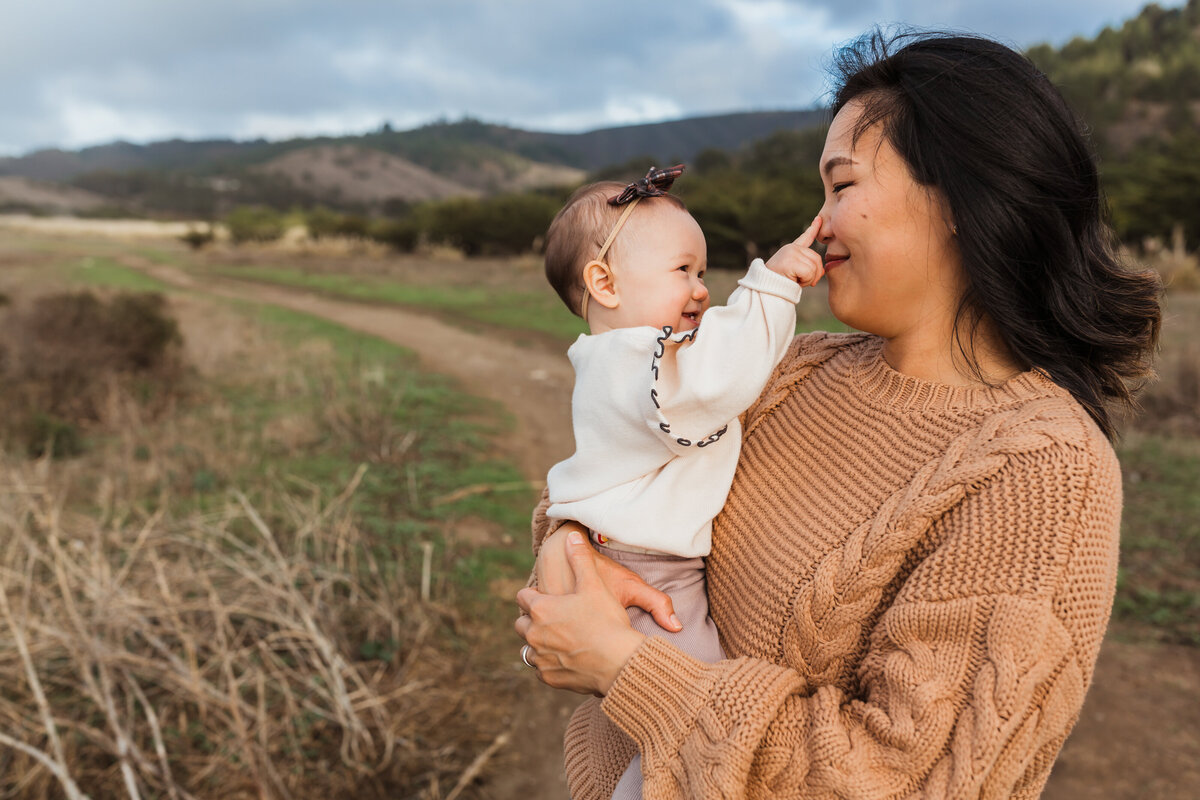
(254, 224)
(502, 225)
(198, 239)
(400, 234)
(324, 223)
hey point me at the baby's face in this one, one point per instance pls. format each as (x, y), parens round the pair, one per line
(660, 272)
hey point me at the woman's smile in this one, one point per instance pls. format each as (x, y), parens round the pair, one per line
(835, 259)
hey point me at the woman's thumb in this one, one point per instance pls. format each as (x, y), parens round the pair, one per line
(582, 559)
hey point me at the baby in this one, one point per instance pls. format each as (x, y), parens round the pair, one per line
(660, 383)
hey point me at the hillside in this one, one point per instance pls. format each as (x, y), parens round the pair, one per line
(1137, 87)
(23, 194)
(1136, 82)
(463, 158)
(436, 146)
(349, 174)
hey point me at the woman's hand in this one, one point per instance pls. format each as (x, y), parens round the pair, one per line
(580, 641)
(625, 584)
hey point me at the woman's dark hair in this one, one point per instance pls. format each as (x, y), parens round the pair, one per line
(981, 124)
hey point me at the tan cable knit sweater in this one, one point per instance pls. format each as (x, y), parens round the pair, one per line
(912, 581)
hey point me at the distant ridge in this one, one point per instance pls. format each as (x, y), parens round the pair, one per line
(371, 172)
(437, 147)
(684, 138)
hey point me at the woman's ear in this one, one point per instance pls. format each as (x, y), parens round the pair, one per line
(601, 284)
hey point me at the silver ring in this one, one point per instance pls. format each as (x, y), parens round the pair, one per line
(525, 656)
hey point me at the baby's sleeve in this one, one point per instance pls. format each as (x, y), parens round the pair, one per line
(702, 380)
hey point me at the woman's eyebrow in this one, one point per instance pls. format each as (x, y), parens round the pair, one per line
(837, 161)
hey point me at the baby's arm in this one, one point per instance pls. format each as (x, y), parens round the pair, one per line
(797, 260)
(554, 574)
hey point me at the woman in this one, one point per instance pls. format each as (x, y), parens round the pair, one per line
(915, 566)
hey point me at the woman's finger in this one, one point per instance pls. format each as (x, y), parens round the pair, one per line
(526, 597)
(583, 562)
(809, 236)
(654, 602)
(631, 590)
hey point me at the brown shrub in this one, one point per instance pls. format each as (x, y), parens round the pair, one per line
(65, 353)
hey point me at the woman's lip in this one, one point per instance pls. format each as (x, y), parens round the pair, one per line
(830, 263)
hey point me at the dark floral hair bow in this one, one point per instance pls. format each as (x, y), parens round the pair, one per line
(656, 183)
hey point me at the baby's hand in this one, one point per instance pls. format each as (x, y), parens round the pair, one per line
(797, 260)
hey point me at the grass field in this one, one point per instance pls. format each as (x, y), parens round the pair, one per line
(287, 515)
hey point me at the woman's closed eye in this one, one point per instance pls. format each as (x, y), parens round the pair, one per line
(837, 187)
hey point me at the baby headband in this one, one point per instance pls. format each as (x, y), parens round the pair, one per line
(656, 184)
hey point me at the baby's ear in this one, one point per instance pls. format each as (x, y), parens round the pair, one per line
(599, 282)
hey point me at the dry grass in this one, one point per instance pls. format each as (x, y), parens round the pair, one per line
(162, 636)
(1170, 404)
(159, 657)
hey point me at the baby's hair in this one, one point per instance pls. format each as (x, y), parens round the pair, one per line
(578, 232)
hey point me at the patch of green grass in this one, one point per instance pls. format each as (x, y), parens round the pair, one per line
(100, 271)
(385, 403)
(828, 323)
(159, 256)
(541, 312)
(1158, 590)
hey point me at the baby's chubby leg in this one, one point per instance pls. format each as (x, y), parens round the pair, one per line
(554, 574)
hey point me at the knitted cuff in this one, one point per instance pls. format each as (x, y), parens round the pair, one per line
(762, 279)
(661, 692)
(657, 695)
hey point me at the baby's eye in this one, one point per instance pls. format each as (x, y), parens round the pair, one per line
(683, 268)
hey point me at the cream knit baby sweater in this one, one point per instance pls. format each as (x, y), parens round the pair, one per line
(655, 415)
(912, 582)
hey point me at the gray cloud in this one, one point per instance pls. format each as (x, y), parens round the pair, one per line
(74, 73)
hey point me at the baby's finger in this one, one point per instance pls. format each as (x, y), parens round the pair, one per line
(814, 269)
(809, 236)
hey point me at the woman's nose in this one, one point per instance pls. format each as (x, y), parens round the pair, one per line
(826, 233)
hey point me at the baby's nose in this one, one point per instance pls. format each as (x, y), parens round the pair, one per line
(700, 292)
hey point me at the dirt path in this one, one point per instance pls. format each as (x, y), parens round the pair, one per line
(535, 387)
(1139, 734)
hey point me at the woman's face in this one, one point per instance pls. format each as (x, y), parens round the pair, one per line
(890, 260)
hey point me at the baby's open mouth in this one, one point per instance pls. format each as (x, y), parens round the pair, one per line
(692, 315)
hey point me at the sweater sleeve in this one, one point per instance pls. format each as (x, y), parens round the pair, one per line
(541, 525)
(972, 674)
(704, 379)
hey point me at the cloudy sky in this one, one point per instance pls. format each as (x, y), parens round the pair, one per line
(81, 72)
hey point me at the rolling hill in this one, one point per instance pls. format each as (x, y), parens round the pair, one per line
(366, 172)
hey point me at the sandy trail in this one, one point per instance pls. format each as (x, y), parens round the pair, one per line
(1138, 736)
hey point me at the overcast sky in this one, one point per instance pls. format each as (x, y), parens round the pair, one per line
(81, 72)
